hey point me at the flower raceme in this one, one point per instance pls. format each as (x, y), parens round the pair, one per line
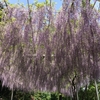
(47, 53)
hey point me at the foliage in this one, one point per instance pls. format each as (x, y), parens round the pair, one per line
(44, 50)
(89, 94)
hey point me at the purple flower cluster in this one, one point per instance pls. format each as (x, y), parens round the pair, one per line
(47, 53)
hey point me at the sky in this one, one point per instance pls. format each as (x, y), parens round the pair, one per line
(58, 2)
(57, 6)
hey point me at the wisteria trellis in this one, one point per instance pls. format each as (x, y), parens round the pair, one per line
(48, 52)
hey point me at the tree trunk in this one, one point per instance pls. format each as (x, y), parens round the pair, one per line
(60, 96)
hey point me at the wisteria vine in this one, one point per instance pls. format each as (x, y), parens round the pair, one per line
(49, 52)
